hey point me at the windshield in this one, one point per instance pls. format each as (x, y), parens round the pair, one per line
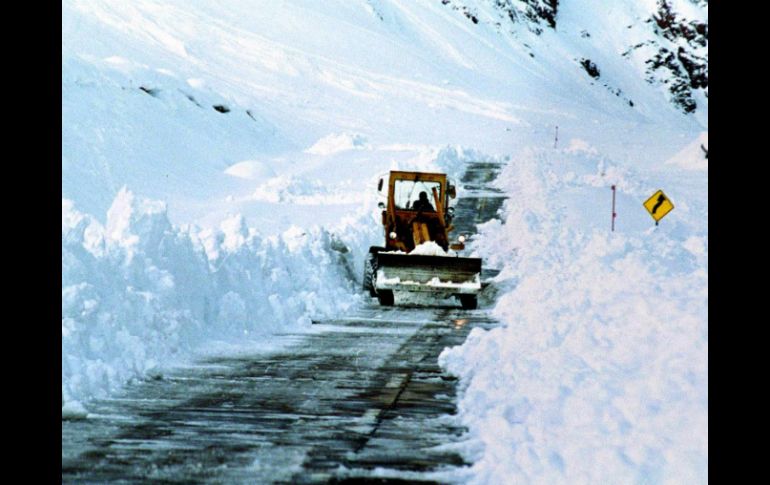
(408, 194)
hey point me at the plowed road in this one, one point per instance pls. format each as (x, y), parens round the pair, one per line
(361, 398)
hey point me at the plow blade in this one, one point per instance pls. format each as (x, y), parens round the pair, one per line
(437, 274)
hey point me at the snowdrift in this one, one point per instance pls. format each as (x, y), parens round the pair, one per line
(600, 372)
(139, 294)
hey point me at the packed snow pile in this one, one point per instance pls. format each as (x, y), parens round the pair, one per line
(600, 372)
(251, 170)
(139, 294)
(73, 409)
(301, 191)
(430, 248)
(694, 156)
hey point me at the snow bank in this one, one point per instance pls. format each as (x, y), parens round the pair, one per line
(448, 159)
(139, 294)
(251, 170)
(303, 191)
(600, 372)
(335, 143)
(694, 156)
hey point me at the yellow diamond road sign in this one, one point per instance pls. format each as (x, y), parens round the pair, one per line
(658, 205)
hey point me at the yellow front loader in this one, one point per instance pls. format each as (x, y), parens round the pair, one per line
(418, 255)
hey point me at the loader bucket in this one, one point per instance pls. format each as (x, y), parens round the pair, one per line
(437, 274)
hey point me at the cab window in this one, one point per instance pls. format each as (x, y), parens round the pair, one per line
(407, 192)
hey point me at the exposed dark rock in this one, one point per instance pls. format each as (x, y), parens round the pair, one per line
(221, 108)
(593, 71)
(192, 99)
(590, 68)
(532, 13)
(542, 9)
(684, 70)
(151, 91)
(696, 68)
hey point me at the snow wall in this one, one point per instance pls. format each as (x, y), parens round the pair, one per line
(599, 372)
(139, 294)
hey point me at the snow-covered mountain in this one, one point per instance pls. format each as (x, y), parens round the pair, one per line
(213, 151)
(668, 43)
(151, 90)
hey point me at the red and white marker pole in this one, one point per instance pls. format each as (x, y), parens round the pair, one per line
(614, 214)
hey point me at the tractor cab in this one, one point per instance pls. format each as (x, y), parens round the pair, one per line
(417, 210)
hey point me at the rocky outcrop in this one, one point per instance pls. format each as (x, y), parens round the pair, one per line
(671, 50)
(677, 55)
(534, 14)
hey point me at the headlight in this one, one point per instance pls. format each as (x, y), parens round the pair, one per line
(392, 235)
(461, 239)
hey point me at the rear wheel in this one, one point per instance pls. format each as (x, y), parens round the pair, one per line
(469, 302)
(385, 297)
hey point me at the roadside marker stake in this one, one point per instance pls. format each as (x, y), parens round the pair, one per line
(614, 214)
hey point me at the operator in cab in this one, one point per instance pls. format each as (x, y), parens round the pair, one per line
(423, 204)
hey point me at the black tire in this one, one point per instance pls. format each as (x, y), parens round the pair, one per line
(469, 302)
(370, 272)
(385, 297)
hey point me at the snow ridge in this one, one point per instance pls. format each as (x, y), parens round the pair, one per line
(600, 372)
(139, 294)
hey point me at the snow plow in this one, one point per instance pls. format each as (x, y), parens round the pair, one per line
(418, 255)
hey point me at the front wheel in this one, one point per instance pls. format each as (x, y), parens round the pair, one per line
(469, 302)
(385, 297)
(370, 272)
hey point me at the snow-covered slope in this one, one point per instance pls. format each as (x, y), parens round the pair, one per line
(213, 151)
(145, 85)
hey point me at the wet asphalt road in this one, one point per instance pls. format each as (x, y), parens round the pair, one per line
(360, 398)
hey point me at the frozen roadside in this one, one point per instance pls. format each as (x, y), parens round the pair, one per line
(600, 372)
(139, 294)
